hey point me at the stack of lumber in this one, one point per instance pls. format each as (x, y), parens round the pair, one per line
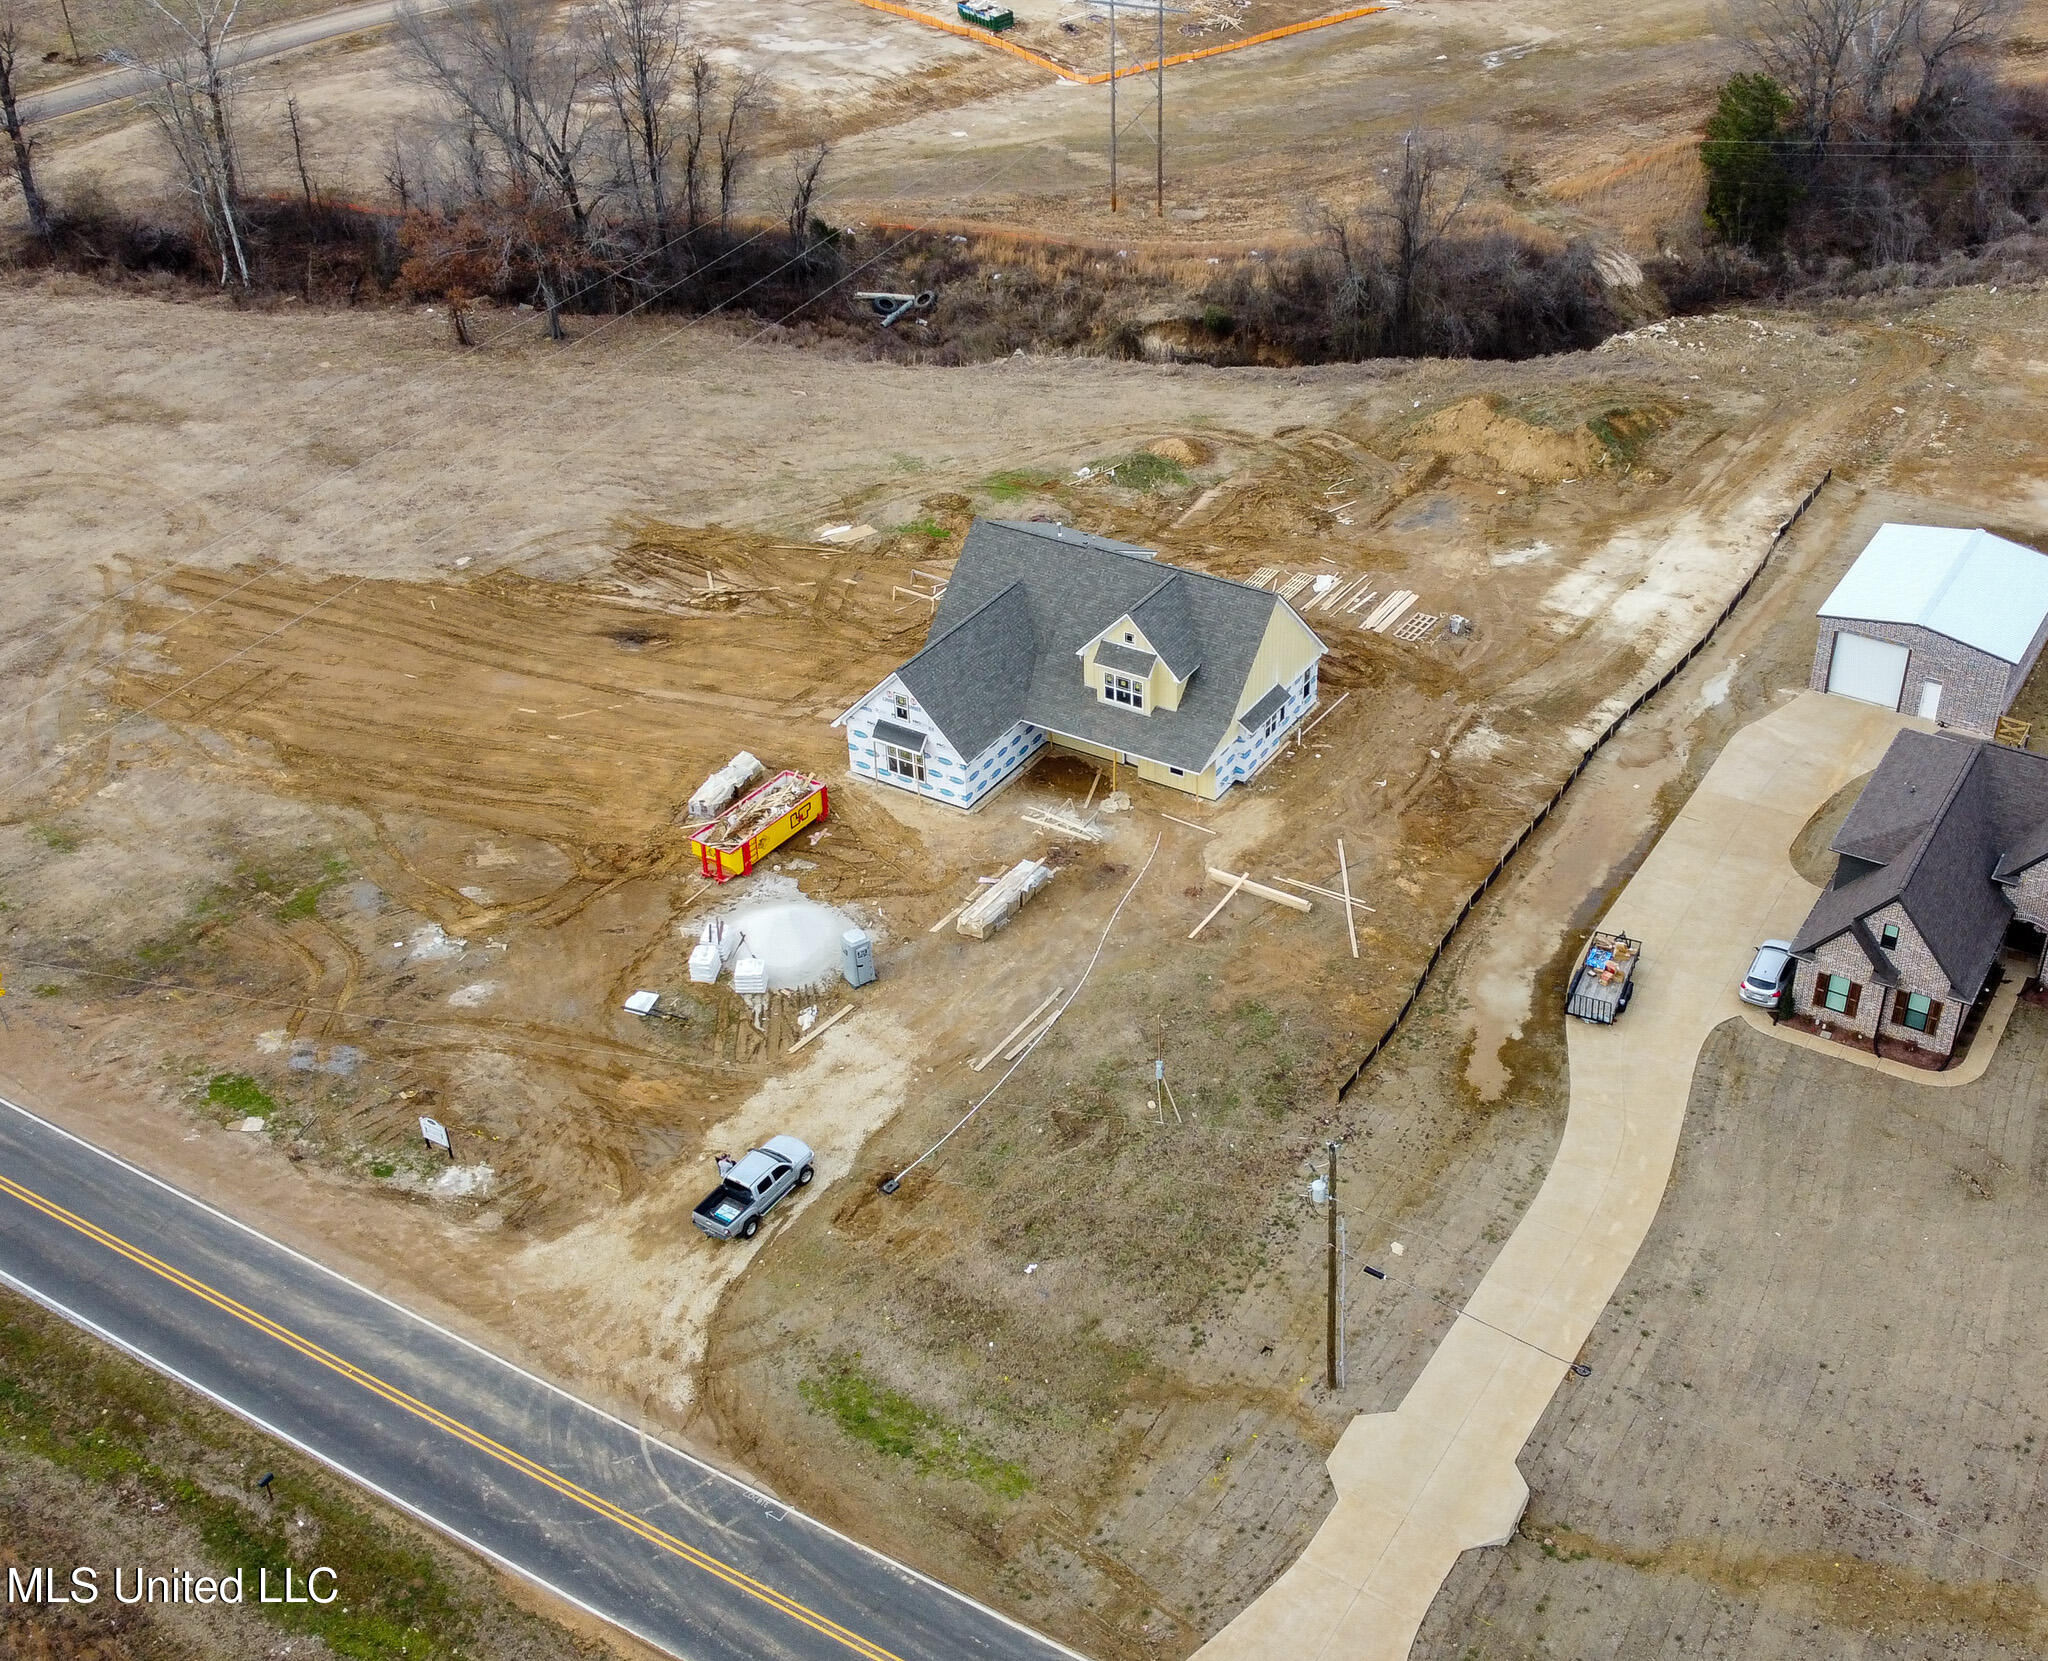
(1389, 611)
(1004, 899)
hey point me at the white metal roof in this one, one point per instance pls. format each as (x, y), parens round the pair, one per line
(1969, 585)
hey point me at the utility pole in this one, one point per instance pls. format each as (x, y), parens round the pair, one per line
(1112, 106)
(1158, 68)
(1159, 112)
(1331, 1201)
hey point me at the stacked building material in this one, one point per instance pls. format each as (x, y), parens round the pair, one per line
(1005, 897)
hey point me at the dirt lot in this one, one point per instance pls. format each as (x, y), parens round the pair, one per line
(1813, 1419)
(347, 768)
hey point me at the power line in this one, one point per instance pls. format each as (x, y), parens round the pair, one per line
(991, 174)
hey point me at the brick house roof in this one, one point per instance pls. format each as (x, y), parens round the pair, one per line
(1942, 825)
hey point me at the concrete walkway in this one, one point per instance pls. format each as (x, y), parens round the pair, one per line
(1966, 1071)
(1437, 1477)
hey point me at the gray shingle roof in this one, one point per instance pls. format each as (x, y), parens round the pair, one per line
(1126, 660)
(1255, 717)
(975, 666)
(1933, 829)
(1165, 617)
(904, 738)
(1025, 598)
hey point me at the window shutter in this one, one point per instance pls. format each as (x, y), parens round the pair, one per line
(1899, 1006)
(1934, 1018)
(1855, 997)
(1820, 993)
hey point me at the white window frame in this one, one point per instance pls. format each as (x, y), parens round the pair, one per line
(1123, 689)
(899, 763)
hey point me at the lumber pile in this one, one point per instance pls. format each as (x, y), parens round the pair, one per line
(982, 916)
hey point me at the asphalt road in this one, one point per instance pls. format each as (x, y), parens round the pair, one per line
(553, 1489)
(110, 86)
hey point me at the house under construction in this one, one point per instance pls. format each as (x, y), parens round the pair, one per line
(1048, 635)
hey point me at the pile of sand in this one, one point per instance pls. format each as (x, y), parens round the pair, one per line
(797, 939)
(1476, 433)
(1185, 451)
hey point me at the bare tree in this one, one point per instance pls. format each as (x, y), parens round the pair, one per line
(1424, 197)
(182, 48)
(640, 47)
(512, 81)
(193, 36)
(747, 100)
(1856, 63)
(291, 119)
(703, 88)
(24, 163)
(803, 189)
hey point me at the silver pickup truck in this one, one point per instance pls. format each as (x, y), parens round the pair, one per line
(734, 1209)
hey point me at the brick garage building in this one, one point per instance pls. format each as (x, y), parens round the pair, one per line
(1935, 622)
(1942, 863)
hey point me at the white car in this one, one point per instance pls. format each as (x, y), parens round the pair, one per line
(1770, 973)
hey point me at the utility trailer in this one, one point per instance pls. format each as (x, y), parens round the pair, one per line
(757, 824)
(1604, 980)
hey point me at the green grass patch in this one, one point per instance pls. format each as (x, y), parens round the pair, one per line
(926, 527)
(1141, 470)
(1016, 483)
(49, 989)
(239, 1094)
(106, 1421)
(306, 901)
(890, 1422)
(1626, 433)
(57, 838)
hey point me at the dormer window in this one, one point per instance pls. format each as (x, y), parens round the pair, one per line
(1890, 937)
(1122, 689)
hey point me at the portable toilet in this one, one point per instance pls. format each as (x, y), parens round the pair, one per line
(857, 957)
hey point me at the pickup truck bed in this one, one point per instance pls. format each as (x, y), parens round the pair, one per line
(734, 1209)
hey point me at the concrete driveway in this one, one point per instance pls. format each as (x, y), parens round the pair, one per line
(1437, 1477)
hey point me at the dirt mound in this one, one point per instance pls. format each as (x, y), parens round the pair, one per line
(1183, 450)
(1476, 433)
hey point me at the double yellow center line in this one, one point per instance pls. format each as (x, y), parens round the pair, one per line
(452, 1426)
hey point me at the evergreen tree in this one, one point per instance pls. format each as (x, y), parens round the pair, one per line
(1750, 189)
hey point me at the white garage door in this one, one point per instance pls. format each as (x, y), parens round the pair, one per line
(1873, 670)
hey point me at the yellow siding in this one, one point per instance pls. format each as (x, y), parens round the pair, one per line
(1162, 691)
(1287, 650)
(1195, 784)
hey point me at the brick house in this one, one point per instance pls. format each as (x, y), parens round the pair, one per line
(1942, 863)
(1935, 622)
(1046, 634)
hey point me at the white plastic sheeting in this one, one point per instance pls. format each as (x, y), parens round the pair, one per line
(715, 792)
